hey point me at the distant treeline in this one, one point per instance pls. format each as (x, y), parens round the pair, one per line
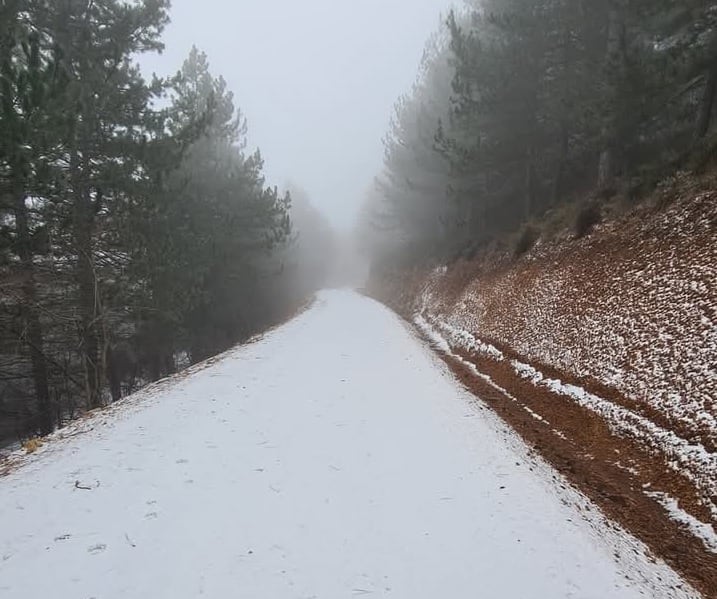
(137, 235)
(527, 110)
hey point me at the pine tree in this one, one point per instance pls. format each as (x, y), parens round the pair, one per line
(207, 225)
(495, 133)
(415, 177)
(29, 86)
(134, 236)
(106, 100)
(553, 101)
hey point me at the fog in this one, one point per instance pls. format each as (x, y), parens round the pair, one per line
(317, 81)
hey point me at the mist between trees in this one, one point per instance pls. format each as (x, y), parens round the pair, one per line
(137, 232)
(532, 114)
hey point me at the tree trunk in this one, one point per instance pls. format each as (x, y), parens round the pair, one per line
(170, 365)
(613, 67)
(530, 184)
(88, 300)
(704, 117)
(113, 375)
(606, 168)
(155, 367)
(31, 317)
(562, 164)
(88, 315)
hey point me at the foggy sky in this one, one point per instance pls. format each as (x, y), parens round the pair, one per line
(316, 79)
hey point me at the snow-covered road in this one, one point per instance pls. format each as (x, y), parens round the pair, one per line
(335, 458)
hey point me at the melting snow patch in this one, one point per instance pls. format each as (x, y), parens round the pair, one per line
(444, 346)
(469, 342)
(699, 529)
(685, 457)
(432, 335)
(690, 460)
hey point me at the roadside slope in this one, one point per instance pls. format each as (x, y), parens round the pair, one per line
(334, 458)
(600, 352)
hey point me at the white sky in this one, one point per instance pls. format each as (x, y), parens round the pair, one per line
(316, 79)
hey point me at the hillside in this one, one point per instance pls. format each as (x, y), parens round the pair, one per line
(602, 352)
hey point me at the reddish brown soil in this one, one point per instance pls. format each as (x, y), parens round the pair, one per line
(629, 314)
(582, 448)
(631, 309)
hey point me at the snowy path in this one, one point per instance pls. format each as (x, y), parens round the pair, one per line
(335, 458)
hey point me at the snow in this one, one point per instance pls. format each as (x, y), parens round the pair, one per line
(685, 456)
(442, 345)
(336, 457)
(633, 306)
(692, 460)
(699, 529)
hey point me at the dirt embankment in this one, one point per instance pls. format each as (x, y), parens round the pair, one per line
(602, 353)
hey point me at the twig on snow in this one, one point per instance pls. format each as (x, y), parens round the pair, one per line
(78, 485)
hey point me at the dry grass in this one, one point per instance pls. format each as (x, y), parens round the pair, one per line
(32, 445)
